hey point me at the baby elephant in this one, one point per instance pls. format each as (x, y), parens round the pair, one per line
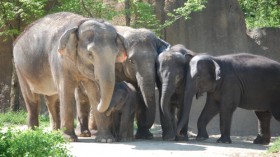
(171, 68)
(247, 81)
(122, 110)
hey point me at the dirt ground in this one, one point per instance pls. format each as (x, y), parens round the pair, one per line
(241, 146)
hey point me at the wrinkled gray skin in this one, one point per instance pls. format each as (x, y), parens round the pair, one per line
(240, 80)
(57, 52)
(122, 110)
(142, 48)
(171, 71)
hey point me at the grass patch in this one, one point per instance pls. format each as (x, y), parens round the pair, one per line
(20, 118)
(32, 143)
(275, 148)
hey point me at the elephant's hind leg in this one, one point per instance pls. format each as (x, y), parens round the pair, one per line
(52, 103)
(264, 135)
(31, 102)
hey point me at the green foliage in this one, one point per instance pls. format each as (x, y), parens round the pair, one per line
(144, 16)
(88, 8)
(275, 148)
(32, 143)
(189, 7)
(19, 118)
(16, 13)
(261, 13)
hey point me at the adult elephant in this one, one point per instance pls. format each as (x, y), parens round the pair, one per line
(171, 66)
(142, 48)
(57, 52)
(238, 80)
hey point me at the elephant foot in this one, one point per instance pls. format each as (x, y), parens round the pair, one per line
(83, 133)
(71, 137)
(104, 138)
(183, 137)
(168, 136)
(93, 132)
(224, 140)
(262, 140)
(202, 137)
(144, 134)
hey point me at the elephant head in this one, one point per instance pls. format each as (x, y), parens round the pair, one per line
(171, 69)
(203, 74)
(94, 47)
(142, 47)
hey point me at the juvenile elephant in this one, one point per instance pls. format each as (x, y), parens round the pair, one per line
(239, 80)
(122, 109)
(57, 52)
(171, 66)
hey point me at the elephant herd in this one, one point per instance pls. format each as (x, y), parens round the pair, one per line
(111, 72)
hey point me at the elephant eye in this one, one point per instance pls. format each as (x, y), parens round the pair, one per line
(90, 55)
(131, 61)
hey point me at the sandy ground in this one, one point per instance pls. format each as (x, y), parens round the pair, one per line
(241, 146)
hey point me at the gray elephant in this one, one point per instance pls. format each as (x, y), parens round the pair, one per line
(171, 68)
(239, 80)
(123, 106)
(142, 48)
(57, 52)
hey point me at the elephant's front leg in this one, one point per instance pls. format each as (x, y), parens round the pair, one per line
(103, 122)
(210, 109)
(264, 135)
(226, 112)
(66, 97)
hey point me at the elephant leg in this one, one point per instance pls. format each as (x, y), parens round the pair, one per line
(124, 126)
(209, 111)
(52, 103)
(103, 122)
(143, 131)
(264, 135)
(92, 123)
(226, 113)
(31, 102)
(66, 97)
(83, 109)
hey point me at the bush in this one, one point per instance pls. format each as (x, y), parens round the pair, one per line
(275, 148)
(32, 143)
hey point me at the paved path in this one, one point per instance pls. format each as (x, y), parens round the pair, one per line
(241, 146)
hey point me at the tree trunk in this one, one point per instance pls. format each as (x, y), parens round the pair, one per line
(127, 12)
(14, 95)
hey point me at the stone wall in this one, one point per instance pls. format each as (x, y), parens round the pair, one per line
(220, 29)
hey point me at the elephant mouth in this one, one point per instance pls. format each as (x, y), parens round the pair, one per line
(198, 94)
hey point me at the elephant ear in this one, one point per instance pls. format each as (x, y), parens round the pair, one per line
(68, 40)
(122, 54)
(162, 45)
(188, 57)
(217, 70)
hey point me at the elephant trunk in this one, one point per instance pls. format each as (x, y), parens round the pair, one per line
(105, 73)
(188, 96)
(166, 94)
(147, 87)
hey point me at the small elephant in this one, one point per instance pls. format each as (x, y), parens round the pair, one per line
(123, 106)
(171, 68)
(238, 80)
(57, 52)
